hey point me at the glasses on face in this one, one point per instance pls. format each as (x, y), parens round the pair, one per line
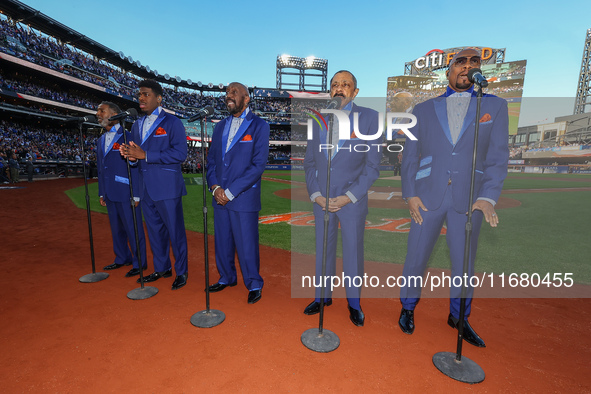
(462, 60)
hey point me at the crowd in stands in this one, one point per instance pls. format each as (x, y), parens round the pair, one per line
(50, 91)
(43, 143)
(47, 52)
(516, 152)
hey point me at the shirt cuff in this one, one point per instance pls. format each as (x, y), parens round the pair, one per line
(315, 195)
(493, 202)
(351, 196)
(229, 194)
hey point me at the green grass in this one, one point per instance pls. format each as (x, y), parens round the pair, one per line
(548, 232)
(546, 181)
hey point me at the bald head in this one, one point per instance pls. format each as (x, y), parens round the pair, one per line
(237, 98)
(460, 64)
(401, 101)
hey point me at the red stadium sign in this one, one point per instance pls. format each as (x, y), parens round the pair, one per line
(437, 58)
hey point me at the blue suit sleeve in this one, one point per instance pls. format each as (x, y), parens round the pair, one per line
(99, 167)
(411, 159)
(371, 170)
(212, 156)
(310, 166)
(497, 156)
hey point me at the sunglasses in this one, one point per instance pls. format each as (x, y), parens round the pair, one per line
(474, 60)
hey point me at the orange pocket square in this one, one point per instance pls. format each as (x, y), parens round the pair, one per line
(353, 135)
(247, 137)
(485, 118)
(116, 146)
(160, 131)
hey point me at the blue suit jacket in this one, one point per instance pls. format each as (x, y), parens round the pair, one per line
(240, 168)
(166, 150)
(351, 171)
(430, 162)
(112, 171)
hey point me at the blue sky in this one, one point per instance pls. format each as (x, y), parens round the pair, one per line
(223, 41)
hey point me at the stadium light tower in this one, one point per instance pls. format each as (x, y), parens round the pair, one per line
(305, 68)
(584, 85)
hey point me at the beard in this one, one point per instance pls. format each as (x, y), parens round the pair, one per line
(105, 124)
(238, 106)
(462, 85)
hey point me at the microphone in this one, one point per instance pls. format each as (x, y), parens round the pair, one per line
(335, 102)
(124, 114)
(82, 119)
(203, 112)
(475, 76)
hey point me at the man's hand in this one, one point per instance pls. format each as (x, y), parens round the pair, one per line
(220, 196)
(335, 204)
(132, 151)
(488, 210)
(321, 201)
(102, 201)
(415, 204)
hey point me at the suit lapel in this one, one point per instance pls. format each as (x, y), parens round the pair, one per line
(154, 126)
(102, 145)
(108, 149)
(241, 130)
(225, 134)
(441, 110)
(323, 137)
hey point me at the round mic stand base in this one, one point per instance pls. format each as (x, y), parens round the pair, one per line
(324, 342)
(465, 370)
(141, 293)
(208, 318)
(94, 277)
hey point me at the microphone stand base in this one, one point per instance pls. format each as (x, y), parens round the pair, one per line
(142, 293)
(94, 277)
(321, 343)
(208, 319)
(465, 370)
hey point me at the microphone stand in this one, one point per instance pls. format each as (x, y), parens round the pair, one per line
(453, 364)
(209, 317)
(94, 276)
(321, 340)
(142, 292)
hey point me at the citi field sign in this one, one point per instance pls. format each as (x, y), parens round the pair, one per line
(437, 58)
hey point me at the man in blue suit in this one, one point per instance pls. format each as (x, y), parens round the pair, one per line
(114, 192)
(235, 163)
(354, 168)
(436, 173)
(160, 145)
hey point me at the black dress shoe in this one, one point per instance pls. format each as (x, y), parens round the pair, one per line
(407, 321)
(113, 266)
(254, 296)
(469, 334)
(314, 307)
(357, 317)
(154, 276)
(133, 272)
(180, 281)
(219, 287)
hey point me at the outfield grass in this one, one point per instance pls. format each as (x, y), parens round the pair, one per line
(549, 232)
